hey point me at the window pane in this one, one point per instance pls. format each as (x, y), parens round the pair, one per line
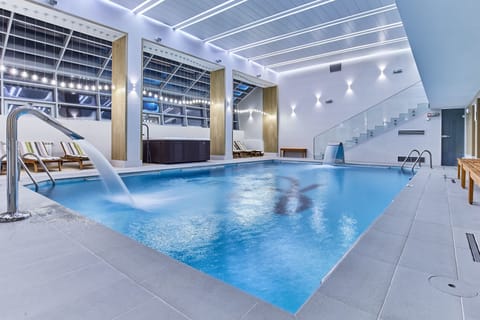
(26, 92)
(151, 119)
(194, 112)
(150, 106)
(195, 122)
(77, 98)
(77, 113)
(45, 109)
(105, 101)
(105, 115)
(173, 110)
(173, 121)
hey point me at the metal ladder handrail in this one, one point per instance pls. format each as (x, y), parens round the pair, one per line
(418, 159)
(29, 173)
(408, 156)
(149, 156)
(42, 164)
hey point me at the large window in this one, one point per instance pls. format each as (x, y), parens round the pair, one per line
(175, 93)
(65, 73)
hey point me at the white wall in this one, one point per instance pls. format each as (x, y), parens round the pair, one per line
(252, 126)
(31, 128)
(301, 87)
(388, 146)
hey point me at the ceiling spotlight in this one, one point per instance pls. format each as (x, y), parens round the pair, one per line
(34, 77)
(62, 84)
(105, 87)
(13, 72)
(3, 68)
(93, 88)
(79, 86)
(71, 85)
(24, 74)
(44, 80)
(54, 82)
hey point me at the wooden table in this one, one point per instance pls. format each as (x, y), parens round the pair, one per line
(302, 151)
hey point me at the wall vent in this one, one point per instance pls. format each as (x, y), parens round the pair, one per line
(411, 132)
(336, 67)
(410, 159)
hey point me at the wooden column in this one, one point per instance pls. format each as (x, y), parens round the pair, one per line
(270, 119)
(217, 112)
(476, 130)
(119, 99)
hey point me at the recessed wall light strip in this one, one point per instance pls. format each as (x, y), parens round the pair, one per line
(317, 27)
(329, 40)
(208, 14)
(332, 53)
(277, 16)
(156, 3)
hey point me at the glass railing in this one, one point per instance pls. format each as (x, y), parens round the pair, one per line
(381, 117)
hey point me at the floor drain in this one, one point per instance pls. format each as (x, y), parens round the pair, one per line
(453, 286)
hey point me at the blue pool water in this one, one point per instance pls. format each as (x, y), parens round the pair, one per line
(271, 229)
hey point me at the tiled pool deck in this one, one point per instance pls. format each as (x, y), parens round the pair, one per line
(59, 265)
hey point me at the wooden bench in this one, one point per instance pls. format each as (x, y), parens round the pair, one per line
(472, 167)
(302, 151)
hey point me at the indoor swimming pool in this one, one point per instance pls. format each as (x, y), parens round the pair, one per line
(273, 229)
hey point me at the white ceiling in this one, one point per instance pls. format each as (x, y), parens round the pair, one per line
(442, 35)
(284, 34)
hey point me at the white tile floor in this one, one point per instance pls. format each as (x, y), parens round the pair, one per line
(59, 265)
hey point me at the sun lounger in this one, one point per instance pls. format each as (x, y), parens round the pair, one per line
(74, 153)
(30, 149)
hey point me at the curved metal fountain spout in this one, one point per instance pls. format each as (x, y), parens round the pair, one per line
(13, 169)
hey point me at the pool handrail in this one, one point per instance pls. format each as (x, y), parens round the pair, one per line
(12, 213)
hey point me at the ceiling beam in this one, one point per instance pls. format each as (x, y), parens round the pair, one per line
(64, 49)
(170, 76)
(321, 26)
(332, 53)
(329, 40)
(208, 14)
(9, 28)
(265, 20)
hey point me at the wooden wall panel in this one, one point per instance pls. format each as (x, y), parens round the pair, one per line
(469, 120)
(270, 119)
(476, 131)
(217, 112)
(119, 99)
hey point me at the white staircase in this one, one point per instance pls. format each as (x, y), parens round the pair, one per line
(387, 115)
